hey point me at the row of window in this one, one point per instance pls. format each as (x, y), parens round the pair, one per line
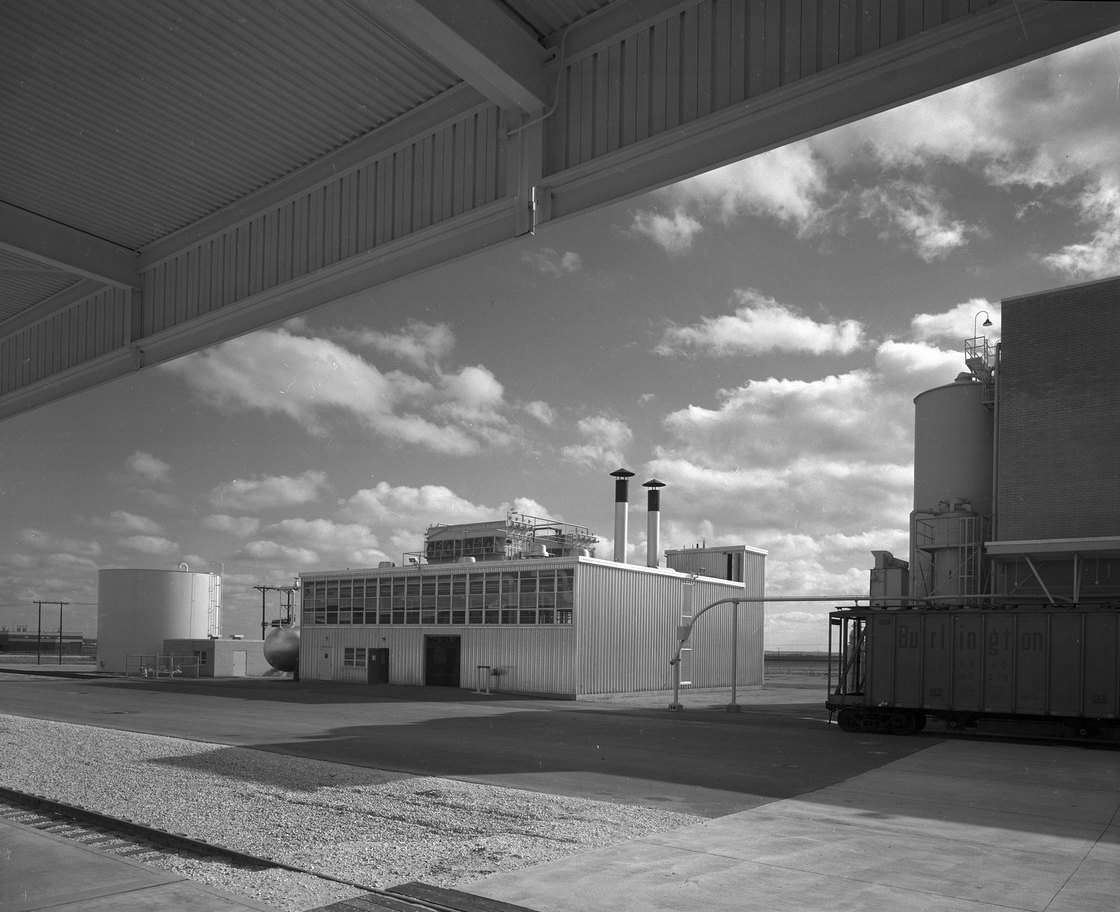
(542, 596)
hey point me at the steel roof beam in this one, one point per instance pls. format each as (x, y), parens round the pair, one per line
(62, 247)
(478, 41)
(970, 48)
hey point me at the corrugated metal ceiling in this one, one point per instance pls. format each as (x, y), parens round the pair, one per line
(130, 121)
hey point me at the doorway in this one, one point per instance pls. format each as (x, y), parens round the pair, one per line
(378, 667)
(441, 661)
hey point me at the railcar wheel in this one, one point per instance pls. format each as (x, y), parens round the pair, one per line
(902, 723)
(848, 720)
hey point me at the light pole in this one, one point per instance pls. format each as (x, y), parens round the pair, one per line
(987, 322)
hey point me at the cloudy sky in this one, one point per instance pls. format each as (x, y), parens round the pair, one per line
(753, 337)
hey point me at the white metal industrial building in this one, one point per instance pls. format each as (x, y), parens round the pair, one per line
(565, 626)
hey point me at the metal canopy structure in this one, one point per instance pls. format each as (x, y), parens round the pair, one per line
(177, 172)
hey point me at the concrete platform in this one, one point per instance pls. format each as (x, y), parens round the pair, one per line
(41, 872)
(964, 826)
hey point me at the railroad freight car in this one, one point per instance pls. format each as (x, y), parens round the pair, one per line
(1049, 671)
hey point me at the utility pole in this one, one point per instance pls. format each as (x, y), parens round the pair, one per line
(39, 637)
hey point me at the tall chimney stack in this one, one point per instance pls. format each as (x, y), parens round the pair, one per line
(621, 505)
(653, 522)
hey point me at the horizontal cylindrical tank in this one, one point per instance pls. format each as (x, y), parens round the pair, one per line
(281, 648)
(953, 448)
(138, 609)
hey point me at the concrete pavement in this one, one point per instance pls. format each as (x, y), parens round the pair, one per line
(44, 873)
(964, 826)
(947, 826)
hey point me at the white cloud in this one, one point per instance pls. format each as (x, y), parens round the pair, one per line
(550, 261)
(148, 467)
(786, 184)
(47, 541)
(1100, 256)
(309, 380)
(912, 214)
(123, 522)
(266, 492)
(605, 441)
(760, 324)
(340, 544)
(410, 507)
(421, 344)
(242, 526)
(155, 545)
(69, 563)
(909, 368)
(542, 411)
(292, 558)
(959, 323)
(674, 232)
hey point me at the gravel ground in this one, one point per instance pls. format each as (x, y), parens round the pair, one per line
(372, 827)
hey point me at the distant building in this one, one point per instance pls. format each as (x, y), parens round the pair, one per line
(729, 562)
(520, 605)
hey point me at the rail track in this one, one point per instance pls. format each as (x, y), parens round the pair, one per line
(140, 842)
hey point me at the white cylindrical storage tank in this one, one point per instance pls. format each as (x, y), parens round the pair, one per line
(953, 447)
(138, 609)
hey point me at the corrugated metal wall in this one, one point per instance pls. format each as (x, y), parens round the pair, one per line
(700, 58)
(622, 638)
(454, 169)
(72, 336)
(626, 620)
(530, 659)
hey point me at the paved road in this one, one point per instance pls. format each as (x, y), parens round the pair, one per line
(702, 761)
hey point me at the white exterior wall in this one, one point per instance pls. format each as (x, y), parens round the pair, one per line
(620, 640)
(138, 609)
(531, 659)
(627, 619)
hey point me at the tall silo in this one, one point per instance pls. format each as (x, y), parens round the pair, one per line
(953, 428)
(953, 448)
(138, 609)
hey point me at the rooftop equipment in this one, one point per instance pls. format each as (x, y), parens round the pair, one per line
(517, 536)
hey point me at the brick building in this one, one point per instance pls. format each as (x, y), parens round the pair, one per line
(1017, 463)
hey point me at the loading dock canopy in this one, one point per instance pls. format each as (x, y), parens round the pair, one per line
(1054, 548)
(1064, 561)
(178, 172)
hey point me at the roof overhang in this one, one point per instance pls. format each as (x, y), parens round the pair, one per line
(179, 172)
(1054, 548)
